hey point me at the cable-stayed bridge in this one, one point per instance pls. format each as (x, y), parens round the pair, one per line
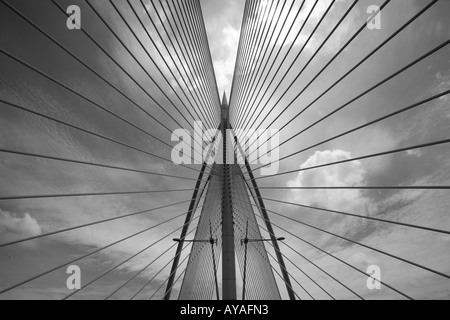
(96, 112)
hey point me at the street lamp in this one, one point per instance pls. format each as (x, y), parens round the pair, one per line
(245, 242)
(213, 242)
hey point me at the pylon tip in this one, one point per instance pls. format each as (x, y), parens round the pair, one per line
(224, 99)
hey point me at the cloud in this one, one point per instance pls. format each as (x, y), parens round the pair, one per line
(362, 260)
(416, 153)
(348, 174)
(417, 207)
(13, 227)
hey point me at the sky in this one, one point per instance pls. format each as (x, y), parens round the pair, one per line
(223, 21)
(428, 166)
(27, 132)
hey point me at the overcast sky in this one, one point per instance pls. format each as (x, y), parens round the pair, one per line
(22, 131)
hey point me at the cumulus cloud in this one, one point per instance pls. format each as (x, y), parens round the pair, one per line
(13, 227)
(416, 153)
(350, 201)
(347, 175)
(363, 260)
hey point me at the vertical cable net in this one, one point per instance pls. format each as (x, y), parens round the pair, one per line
(199, 282)
(260, 280)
